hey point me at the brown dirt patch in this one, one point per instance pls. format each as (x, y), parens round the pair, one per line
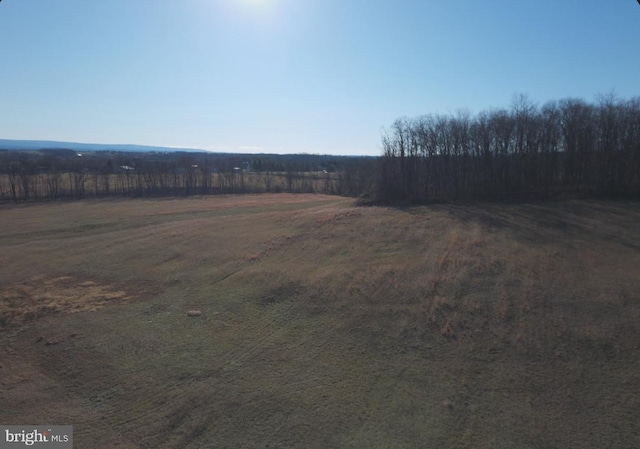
(39, 297)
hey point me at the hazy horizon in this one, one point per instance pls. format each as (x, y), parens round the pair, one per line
(34, 145)
(285, 76)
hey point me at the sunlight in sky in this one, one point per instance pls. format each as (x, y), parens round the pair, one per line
(316, 76)
(258, 6)
(257, 3)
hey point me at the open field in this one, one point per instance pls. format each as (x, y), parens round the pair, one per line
(322, 324)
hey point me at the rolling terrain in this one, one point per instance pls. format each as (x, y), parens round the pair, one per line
(322, 324)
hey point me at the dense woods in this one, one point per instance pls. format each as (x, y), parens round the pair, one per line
(567, 147)
(66, 174)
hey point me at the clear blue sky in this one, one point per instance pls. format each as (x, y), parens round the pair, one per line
(285, 76)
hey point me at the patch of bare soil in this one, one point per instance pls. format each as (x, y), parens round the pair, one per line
(39, 297)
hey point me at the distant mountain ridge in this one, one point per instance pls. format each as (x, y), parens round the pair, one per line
(8, 144)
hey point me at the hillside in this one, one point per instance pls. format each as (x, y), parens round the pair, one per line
(11, 144)
(322, 325)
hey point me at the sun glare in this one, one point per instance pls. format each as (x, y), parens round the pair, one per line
(260, 5)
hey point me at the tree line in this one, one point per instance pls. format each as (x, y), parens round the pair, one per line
(569, 147)
(566, 147)
(66, 174)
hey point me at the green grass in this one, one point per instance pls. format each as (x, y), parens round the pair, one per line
(327, 325)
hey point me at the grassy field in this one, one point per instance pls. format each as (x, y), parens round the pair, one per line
(323, 324)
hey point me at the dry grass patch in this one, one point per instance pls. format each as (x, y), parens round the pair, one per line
(39, 297)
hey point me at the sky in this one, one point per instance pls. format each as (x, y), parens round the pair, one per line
(296, 76)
